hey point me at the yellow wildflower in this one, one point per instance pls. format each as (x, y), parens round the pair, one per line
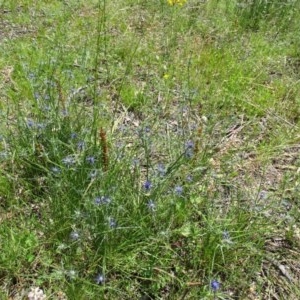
(175, 2)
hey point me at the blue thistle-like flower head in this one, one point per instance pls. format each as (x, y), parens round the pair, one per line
(80, 145)
(102, 200)
(91, 160)
(263, 195)
(189, 145)
(69, 161)
(189, 149)
(189, 178)
(74, 235)
(112, 222)
(215, 285)
(178, 190)
(161, 170)
(73, 135)
(93, 174)
(30, 123)
(151, 205)
(135, 162)
(99, 279)
(226, 237)
(147, 185)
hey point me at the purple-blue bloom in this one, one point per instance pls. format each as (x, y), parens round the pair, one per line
(226, 237)
(64, 113)
(263, 195)
(147, 185)
(189, 178)
(30, 123)
(102, 200)
(178, 190)
(161, 170)
(112, 222)
(189, 145)
(91, 160)
(73, 135)
(215, 285)
(136, 162)
(189, 149)
(80, 145)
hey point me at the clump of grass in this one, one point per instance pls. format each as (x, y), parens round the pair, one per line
(139, 224)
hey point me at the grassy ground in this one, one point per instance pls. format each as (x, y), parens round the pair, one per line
(149, 150)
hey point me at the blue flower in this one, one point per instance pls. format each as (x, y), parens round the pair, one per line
(40, 125)
(93, 174)
(112, 222)
(189, 145)
(144, 131)
(69, 160)
(99, 279)
(215, 285)
(91, 160)
(73, 135)
(64, 113)
(36, 95)
(189, 153)
(147, 185)
(151, 205)
(263, 195)
(226, 237)
(74, 235)
(55, 170)
(178, 190)
(80, 145)
(31, 75)
(136, 162)
(30, 123)
(189, 149)
(161, 170)
(189, 178)
(46, 108)
(102, 200)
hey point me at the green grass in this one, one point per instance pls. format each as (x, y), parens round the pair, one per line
(147, 149)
